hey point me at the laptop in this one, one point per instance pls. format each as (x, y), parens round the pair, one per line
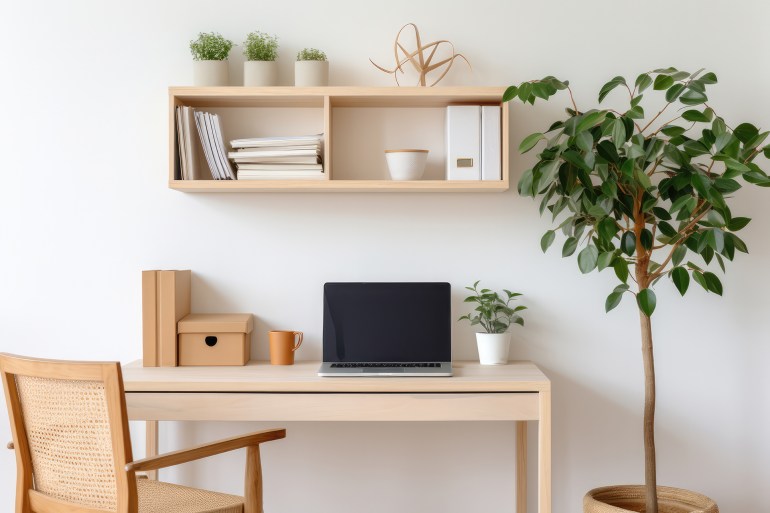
(387, 329)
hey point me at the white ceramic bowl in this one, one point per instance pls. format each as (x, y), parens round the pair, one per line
(406, 164)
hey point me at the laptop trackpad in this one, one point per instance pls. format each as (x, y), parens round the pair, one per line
(380, 370)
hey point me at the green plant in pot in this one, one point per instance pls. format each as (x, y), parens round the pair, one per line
(210, 51)
(645, 195)
(495, 315)
(260, 68)
(311, 68)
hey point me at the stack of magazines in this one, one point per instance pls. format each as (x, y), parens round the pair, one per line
(278, 158)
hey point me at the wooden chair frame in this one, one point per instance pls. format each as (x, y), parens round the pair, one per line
(28, 500)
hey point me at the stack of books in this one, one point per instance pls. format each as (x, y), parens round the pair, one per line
(278, 158)
(208, 141)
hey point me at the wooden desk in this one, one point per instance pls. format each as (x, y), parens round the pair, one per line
(517, 392)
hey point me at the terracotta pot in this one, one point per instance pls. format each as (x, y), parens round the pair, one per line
(625, 498)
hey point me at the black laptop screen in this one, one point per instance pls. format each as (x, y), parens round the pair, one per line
(387, 322)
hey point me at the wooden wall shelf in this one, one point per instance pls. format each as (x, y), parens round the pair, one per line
(328, 109)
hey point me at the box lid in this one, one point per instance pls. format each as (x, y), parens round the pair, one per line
(216, 323)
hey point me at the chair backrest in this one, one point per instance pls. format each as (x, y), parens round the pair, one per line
(70, 432)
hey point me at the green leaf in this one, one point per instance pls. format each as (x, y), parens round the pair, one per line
(700, 280)
(587, 259)
(621, 269)
(525, 90)
(662, 82)
(673, 92)
(547, 240)
(679, 253)
(701, 184)
(590, 120)
(525, 184)
(613, 300)
(609, 86)
(708, 78)
(570, 245)
(715, 238)
(681, 279)
(738, 223)
(607, 229)
(635, 112)
(584, 141)
(645, 237)
(674, 130)
(745, 132)
(510, 93)
(618, 133)
(605, 260)
(643, 81)
(646, 301)
(661, 213)
(693, 97)
(712, 283)
(548, 173)
(628, 243)
(695, 115)
(530, 141)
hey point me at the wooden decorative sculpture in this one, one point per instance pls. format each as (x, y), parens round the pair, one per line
(417, 58)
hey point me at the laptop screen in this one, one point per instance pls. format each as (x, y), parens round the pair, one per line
(387, 322)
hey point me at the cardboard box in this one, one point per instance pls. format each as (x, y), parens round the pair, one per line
(215, 339)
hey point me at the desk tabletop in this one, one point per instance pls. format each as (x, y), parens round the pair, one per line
(260, 376)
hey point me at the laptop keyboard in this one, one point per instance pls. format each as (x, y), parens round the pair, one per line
(351, 365)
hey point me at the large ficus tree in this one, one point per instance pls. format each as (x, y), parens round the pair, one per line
(644, 195)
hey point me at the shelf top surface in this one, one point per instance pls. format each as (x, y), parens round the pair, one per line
(339, 96)
(259, 376)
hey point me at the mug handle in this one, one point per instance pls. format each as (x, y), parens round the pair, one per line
(299, 343)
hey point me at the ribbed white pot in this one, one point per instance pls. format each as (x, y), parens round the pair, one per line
(311, 73)
(211, 73)
(493, 348)
(260, 73)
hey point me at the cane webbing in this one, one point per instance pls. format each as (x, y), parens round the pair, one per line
(159, 497)
(68, 429)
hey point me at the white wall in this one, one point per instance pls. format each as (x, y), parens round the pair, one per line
(84, 207)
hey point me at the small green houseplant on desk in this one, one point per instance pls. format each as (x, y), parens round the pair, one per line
(311, 68)
(260, 68)
(210, 53)
(495, 315)
(640, 194)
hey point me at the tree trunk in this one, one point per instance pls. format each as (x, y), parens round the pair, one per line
(650, 477)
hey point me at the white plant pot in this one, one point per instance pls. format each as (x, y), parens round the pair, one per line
(311, 73)
(493, 348)
(406, 164)
(260, 73)
(211, 73)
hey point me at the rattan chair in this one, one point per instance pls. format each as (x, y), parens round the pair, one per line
(73, 450)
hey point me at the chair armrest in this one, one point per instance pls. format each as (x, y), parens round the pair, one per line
(202, 451)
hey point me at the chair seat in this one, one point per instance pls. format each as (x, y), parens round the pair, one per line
(160, 497)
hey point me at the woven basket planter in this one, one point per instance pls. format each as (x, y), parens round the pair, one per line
(625, 498)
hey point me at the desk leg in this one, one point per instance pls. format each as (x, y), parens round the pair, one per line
(544, 453)
(521, 466)
(151, 445)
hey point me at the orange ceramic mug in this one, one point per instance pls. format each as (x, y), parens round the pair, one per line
(283, 345)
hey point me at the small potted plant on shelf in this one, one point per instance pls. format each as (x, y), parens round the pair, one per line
(260, 68)
(645, 194)
(495, 315)
(210, 53)
(311, 68)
